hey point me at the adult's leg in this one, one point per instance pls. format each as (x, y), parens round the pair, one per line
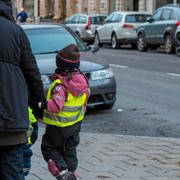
(11, 162)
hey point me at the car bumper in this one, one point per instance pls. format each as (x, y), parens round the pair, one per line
(103, 92)
(127, 36)
(87, 36)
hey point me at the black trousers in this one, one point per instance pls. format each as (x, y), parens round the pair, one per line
(59, 144)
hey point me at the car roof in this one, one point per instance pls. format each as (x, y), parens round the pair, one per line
(131, 12)
(91, 15)
(40, 25)
(171, 6)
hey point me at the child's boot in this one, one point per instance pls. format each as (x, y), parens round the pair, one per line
(72, 176)
(53, 168)
(63, 175)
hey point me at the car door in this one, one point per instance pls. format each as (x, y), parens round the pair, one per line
(165, 24)
(115, 25)
(102, 30)
(152, 28)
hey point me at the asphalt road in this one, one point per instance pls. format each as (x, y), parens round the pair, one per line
(148, 95)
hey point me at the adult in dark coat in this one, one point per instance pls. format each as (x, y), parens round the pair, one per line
(19, 79)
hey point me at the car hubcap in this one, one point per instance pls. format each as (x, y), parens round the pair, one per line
(96, 40)
(113, 42)
(168, 45)
(140, 43)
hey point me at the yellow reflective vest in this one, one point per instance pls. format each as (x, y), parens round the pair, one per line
(72, 112)
(32, 120)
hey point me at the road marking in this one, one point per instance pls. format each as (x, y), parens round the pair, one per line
(120, 110)
(174, 74)
(117, 65)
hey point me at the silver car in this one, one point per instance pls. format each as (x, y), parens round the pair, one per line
(85, 25)
(119, 28)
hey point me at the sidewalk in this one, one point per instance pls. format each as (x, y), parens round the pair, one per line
(118, 157)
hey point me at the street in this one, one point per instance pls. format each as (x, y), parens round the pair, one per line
(148, 89)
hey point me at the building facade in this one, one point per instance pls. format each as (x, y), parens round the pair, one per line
(59, 9)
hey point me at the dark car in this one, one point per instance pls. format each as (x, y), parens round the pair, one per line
(47, 39)
(160, 29)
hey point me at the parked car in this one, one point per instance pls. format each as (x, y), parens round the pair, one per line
(119, 28)
(47, 39)
(160, 29)
(85, 25)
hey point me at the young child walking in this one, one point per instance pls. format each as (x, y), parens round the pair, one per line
(64, 111)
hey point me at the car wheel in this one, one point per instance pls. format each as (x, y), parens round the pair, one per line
(168, 44)
(134, 46)
(97, 41)
(104, 106)
(141, 45)
(178, 50)
(114, 42)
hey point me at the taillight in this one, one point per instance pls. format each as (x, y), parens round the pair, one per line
(88, 26)
(129, 26)
(177, 23)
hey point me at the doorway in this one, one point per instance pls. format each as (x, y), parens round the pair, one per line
(135, 5)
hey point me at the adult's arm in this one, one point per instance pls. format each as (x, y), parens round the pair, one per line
(31, 73)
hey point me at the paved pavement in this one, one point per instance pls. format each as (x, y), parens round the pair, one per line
(118, 157)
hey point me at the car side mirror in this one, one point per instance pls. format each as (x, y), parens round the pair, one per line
(149, 19)
(93, 48)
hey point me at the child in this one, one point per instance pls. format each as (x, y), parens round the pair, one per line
(32, 137)
(65, 108)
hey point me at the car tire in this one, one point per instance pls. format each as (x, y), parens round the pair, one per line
(115, 42)
(97, 40)
(168, 44)
(141, 45)
(134, 45)
(104, 106)
(178, 50)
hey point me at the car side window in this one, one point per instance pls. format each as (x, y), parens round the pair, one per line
(82, 19)
(173, 15)
(157, 15)
(116, 18)
(68, 20)
(166, 14)
(108, 19)
(75, 20)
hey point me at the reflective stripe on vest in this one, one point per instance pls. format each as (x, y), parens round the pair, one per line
(72, 112)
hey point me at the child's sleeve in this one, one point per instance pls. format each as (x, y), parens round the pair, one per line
(58, 97)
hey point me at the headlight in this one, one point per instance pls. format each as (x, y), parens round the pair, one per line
(102, 74)
(45, 79)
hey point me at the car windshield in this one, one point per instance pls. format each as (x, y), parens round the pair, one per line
(136, 18)
(98, 19)
(51, 40)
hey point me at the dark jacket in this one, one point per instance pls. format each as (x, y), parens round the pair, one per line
(19, 75)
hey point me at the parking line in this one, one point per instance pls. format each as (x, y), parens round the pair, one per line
(117, 65)
(174, 74)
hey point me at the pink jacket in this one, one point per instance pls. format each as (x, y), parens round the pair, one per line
(77, 86)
